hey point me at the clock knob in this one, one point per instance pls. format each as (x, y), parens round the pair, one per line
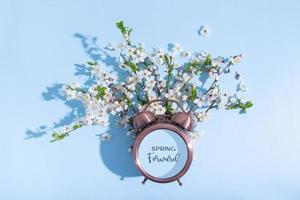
(143, 118)
(184, 120)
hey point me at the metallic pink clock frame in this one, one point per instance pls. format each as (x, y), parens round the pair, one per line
(177, 124)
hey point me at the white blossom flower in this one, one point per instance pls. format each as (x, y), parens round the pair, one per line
(176, 49)
(132, 81)
(75, 85)
(71, 94)
(219, 60)
(139, 56)
(105, 137)
(111, 46)
(158, 57)
(93, 90)
(184, 97)
(131, 51)
(86, 98)
(173, 95)
(240, 97)
(202, 55)
(204, 31)
(146, 73)
(243, 100)
(233, 100)
(131, 132)
(236, 59)
(185, 77)
(223, 100)
(201, 116)
(157, 108)
(241, 86)
(185, 54)
(200, 101)
(214, 62)
(123, 121)
(196, 135)
(213, 93)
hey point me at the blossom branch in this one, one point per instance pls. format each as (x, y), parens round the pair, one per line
(144, 82)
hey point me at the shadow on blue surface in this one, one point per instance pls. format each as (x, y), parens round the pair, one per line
(55, 93)
(114, 154)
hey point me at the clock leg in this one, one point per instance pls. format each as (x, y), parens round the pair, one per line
(179, 182)
(144, 181)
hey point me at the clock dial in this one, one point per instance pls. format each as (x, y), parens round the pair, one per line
(163, 152)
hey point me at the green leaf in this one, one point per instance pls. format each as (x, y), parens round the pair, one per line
(193, 94)
(133, 66)
(167, 59)
(121, 26)
(101, 91)
(169, 107)
(208, 60)
(240, 105)
(91, 63)
(58, 136)
(129, 64)
(129, 31)
(248, 104)
(192, 64)
(76, 126)
(125, 31)
(170, 70)
(195, 65)
(129, 103)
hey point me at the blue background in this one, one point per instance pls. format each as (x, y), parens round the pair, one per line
(253, 156)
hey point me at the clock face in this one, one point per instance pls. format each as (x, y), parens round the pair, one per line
(163, 152)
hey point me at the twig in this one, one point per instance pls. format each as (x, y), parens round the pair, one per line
(211, 87)
(211, 106)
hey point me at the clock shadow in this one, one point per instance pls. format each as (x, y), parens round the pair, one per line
(114, 153)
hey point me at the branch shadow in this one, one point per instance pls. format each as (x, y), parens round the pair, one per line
(114, 154)
(54, 92)
(89, 43)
